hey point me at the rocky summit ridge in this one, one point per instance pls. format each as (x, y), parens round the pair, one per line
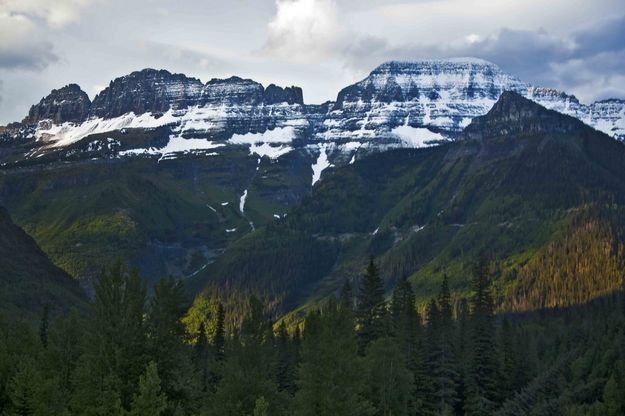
(399, 104)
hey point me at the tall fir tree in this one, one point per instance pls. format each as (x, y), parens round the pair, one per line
(285, 361)
(219, 340)
(371, 309)
(445, 364)
(43, 326)
(330, 374)
(165, 330)
(116, 353)
(390, 383)
(150, 400)
(248, 372)
(407, 330)
(346, 297)
(482, 388)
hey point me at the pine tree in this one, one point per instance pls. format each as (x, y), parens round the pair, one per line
(346, 298)
(443, 365)
(248, 371)
(43, 327)
(150, 400)
(482, 391)
(165, 330)
(261, 407)
(166, 339)
(463, 317)
(116, 349)
(508, 372)
(330, 374)
(219, 340)
(65, 349)
(202, 358)
(285, 361)
(23, 390)
(390, 382)
(371, 308)
(614, 395)
(406, 328)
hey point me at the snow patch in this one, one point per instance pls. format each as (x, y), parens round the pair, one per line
(321, 164)
(418, 136)
(242, 201)
(271, 143)
(176, 144)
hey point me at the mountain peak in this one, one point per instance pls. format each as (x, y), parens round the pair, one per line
(69, 103)
(147, 90)
(409, 64)
(515, 115)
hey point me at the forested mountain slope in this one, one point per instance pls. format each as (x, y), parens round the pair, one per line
(539, 192)
(29, 282)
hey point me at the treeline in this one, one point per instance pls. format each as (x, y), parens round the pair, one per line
(357, 355)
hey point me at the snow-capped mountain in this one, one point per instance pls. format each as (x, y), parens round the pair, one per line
(414, 101)
(400, 104)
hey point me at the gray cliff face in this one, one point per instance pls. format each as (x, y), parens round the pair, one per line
(69, 103)
(515, 116)
(144, 91)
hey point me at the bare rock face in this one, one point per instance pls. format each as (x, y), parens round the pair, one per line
(290, 95)
(514, 115)
(148, 90)
(232, 91)
(69, 103)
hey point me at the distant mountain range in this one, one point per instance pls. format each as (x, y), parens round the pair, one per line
(400, 104)
(230, 182)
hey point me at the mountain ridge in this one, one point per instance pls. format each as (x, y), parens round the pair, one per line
(524, 195)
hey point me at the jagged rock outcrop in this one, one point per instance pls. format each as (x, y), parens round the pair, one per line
(148, 90)
(290, 95)
(69, 103)
(514, 115)
(232, 91)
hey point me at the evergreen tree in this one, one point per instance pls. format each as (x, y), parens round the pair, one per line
(65, 349)
(43, 327)
(23, 389)
(219, 341)
(116, 352)
(371, 308)
(346, 298)
(508, 357)
(202, 358)
(463, 317)
(285, 361)
(330, 374)
(166, 339)
(165, 330)
(482, 393)
(149, 400)
(441, 352)
(261, 407)
(389, 380)
(248, 371)
(406, 327)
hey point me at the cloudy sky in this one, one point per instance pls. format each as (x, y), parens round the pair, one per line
(320, 45)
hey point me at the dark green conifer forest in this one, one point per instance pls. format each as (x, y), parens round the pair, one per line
(358, 354)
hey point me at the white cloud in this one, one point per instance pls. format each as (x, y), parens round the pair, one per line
(23, 44)
(56, 13)
(303, 30)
